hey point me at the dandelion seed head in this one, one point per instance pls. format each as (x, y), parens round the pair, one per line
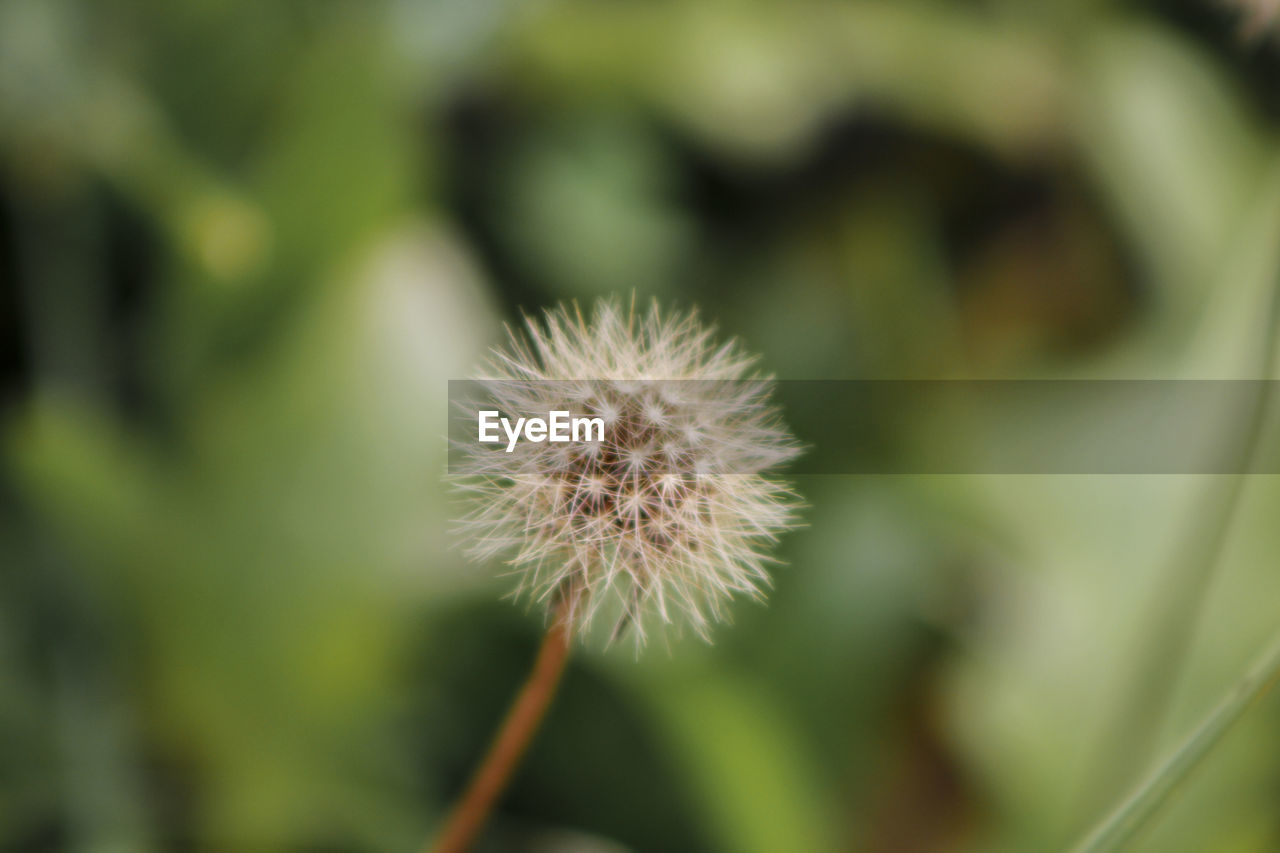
(666, 519)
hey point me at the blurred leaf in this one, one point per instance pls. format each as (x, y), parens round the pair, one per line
(1174, 151)
(747, 768)
(587, 207)
(759, 82)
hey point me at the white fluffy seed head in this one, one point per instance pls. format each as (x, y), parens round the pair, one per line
(668, 517)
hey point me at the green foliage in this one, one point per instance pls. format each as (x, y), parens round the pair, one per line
(244, 245)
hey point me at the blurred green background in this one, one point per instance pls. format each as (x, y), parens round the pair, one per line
(244, 244)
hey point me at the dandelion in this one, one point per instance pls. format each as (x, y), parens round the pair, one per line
(662, 520)
(672, 513)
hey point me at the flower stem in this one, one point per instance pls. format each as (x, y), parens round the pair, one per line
(1124, 822)
(469, 813)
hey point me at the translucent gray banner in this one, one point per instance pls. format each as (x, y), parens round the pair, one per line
(912, 426)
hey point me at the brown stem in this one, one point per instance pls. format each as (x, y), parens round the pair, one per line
(512, 739)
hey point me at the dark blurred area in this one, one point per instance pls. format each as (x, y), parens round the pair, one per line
(244, 246)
